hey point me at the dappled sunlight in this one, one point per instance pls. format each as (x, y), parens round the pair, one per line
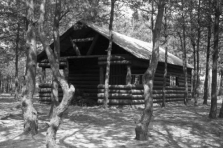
(175, 126)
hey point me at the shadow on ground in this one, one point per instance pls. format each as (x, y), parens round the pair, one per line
(176, 126)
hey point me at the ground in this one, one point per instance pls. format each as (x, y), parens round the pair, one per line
(176, 126)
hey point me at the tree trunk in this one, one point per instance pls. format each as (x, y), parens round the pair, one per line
(221, 110)
(206, 88)
(195, 71)
(142, 127)
(68, 90)
(107, 75)
(221, 93)
(29, 112)
(185, 65)
(198, 57)
(166, 56)
(56, 37)
(164, 78)
(213, 109)
(16, 64)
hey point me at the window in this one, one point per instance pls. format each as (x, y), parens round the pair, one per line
(136, 79)
(174, 81)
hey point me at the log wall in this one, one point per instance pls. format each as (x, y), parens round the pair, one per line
(133, 94)
(84, 75)
(87, 75)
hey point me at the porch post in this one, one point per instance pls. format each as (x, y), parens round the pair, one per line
(128, 75)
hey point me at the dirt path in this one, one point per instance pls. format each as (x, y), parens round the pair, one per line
(176, 126)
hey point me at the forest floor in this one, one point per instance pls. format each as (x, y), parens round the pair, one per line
(175, 126)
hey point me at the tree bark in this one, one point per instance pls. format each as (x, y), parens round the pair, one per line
(142, 127)
(56, 37)
(166, 56)
(195, 70)
(16, 64)
(213, 109)
(29, 112)
(220, 94)
(206, 86)
(68, 90)
(221, 110)
(184, 57)
(194, 49)
(107, 75)
(198, 57)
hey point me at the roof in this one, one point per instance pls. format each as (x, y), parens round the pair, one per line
(138, 48)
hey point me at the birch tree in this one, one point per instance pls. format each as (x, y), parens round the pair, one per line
(213, 109)
(107, 75)
(29, 112)
(141, 129)
(68, 90)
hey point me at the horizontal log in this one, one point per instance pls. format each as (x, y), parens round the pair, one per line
(86, 86)
(62, 64)
(173, 100)
(45, 85)
(130, 96)
(168, 75)
(83, 40)
(136, 102)
(45, 98)
(84, 82)
(62, 59)
(115, 95)
(133, 91)
(115, 57)
(140, 86)
(48, 95)
(116, 91)
(122, 101)
(115, 62)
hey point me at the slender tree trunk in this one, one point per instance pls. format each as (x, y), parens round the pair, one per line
(213, 109)
(220, 94)
(183, 46)
(68, 90)
(56, 37)
(142, 127)
(183, 43)
(16, 64)
(221, 110)
(164, 78)
(206, 86)
(107, 75)
(194, 48)
(185, 64)
(166, 56)
(29, 112)
(198, 55)
(195, 72)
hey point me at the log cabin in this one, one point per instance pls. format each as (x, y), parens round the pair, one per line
(83, 62)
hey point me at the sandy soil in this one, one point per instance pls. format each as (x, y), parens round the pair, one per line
(176, 126)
